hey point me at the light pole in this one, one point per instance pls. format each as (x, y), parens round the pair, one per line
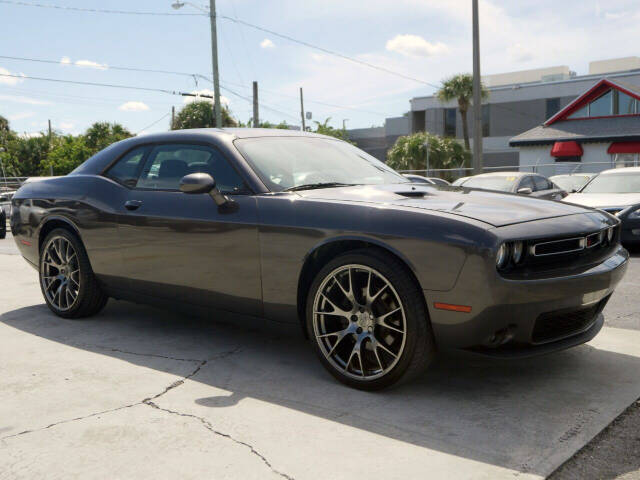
(477, 99)
(217, 107)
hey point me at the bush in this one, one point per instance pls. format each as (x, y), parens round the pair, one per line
(409, 153)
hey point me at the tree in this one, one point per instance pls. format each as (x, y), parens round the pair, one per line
(409, 152)
(460, 87)
(325, 129)
(25, 154)
(102, 134)
(66, 154)
(199, 114)
(4, 125)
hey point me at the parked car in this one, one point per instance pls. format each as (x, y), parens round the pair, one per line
(460, 181)
(377, 270)
(3, 223)
(427, 180)
(572, 182)
(616, 191)
(523, 183)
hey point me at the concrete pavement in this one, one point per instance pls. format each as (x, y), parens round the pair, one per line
(136, 392)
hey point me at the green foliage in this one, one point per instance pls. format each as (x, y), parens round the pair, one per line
(409, 152)
(102, 134)
(199, 114)
(66, 154)
(24, 155)
(325, 129)
(265, 124)
(460, 88)
(4, 124)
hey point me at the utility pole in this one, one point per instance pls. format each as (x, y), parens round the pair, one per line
(173, 116)
(304, 128)
(477, 100)
(49, 133)
(344, 123)
(217, 107)
(256, 119)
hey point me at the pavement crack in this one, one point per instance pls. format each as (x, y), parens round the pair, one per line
(211, 428)
(154, 355)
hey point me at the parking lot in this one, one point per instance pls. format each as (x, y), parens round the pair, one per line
(136, 392)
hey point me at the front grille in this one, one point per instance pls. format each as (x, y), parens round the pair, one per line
(556, 325)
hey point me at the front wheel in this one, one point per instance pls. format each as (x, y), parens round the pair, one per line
(66, 279)
(367, 321)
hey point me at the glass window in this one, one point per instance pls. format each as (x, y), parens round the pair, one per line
(486, 117)
(614, 183)
(602, 106)
(582, 113)
(552, 107)
(625, 105)
(286, 162)
(570, 183)
(125, 171)
(449, 122)
(541, 183)
(527, 182)
(167, 164)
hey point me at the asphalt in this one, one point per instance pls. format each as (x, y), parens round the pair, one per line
(136, 392)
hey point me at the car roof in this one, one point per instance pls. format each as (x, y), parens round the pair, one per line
(621, 170)
(579, 174)
(503, 174)
(239, 133)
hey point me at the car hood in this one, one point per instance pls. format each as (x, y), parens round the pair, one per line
(496, 209)
(599, 200)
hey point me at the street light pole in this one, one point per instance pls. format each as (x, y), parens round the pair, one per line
(477, 101)
(217, 107)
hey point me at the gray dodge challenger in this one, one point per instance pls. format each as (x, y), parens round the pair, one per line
(305, 229)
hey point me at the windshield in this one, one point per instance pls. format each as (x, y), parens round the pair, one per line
(570, 183)
(500, 183)
(288, 162)
(614, 183)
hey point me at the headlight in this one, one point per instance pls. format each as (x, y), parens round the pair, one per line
(502, 257)
(516, 252)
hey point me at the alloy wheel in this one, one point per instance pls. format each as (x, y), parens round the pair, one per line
(60, 273)
(359, 322)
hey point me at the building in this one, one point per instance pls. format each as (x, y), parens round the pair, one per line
(518, 102)
(598, 130)
(377, 141)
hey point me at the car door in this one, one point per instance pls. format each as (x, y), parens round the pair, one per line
(545, 189)
(183, 247)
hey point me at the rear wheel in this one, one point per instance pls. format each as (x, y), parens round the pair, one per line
(68, 284)
(367, 321)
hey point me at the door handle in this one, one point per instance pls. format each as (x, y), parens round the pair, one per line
(132, 204)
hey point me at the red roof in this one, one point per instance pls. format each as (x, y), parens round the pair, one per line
(594, 92)
(566, 149)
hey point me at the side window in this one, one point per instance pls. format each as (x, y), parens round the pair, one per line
(541, 183)
(125, 171)
(527, 182)
(167, 164)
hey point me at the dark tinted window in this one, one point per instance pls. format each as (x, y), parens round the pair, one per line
(449, 122)
(527, 182)
(553, 106)
(167, 164)
(602, 106)
(125, 171)
(541, 183)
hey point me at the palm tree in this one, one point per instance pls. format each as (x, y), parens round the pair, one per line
(460, 87)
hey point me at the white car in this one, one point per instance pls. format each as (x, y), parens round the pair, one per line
(616, 191)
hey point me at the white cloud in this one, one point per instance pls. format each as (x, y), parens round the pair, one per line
(91, 64)
(519, 53)
(65, 61)
(20, 116)
(266, 43)
(613, 16)
(205, 91)
(415, 46)
(23, 99)
(9, 80)
(133, 107)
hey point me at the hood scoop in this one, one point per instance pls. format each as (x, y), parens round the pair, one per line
(413, 194)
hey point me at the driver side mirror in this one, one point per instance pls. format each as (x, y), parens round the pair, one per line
(202, 183)
(525, 191)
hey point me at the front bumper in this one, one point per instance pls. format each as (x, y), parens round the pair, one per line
(507, 314)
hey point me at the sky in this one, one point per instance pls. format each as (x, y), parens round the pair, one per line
(426, 40)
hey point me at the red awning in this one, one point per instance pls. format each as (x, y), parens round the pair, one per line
(624, 147)
(566, 149)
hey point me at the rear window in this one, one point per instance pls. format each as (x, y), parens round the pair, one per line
(614, 183)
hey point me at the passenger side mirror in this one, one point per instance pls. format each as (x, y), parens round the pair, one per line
(525, 191)
(202, 183)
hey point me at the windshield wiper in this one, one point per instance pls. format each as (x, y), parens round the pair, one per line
(311, 186)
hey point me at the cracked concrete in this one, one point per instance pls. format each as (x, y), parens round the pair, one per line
(137, 393)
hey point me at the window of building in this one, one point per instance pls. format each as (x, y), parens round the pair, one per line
(623, 104)
(582, 113)
(569, 159)
(449, 122)
(602, 106)
(486, 121)
(552, 107)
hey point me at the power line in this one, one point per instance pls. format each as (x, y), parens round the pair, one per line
(96, 10)
(154, 123)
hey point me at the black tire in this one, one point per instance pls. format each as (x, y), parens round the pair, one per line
(90, 298)
(3, 224)
(418, 345)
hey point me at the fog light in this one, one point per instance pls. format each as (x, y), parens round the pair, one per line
(516, 252)
(502, 257)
